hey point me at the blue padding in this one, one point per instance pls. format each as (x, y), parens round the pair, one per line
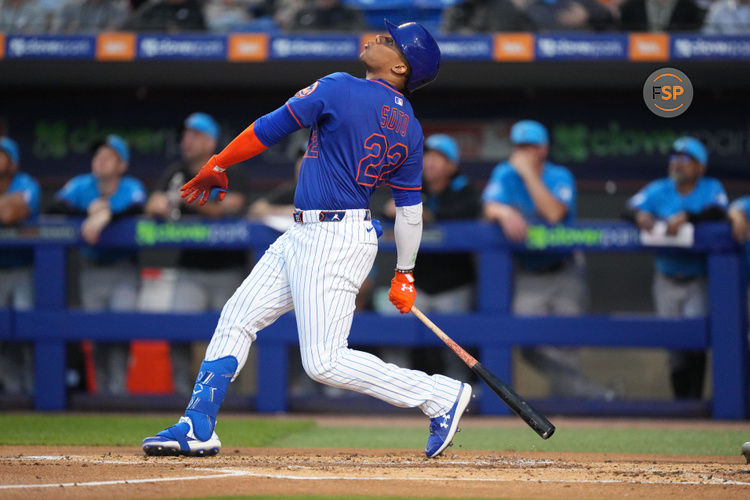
(208, 394)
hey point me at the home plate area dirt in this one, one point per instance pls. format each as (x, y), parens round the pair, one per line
(30, 472)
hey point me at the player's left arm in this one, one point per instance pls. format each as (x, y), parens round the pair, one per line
(715, 209)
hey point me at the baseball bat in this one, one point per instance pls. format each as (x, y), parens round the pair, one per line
(533, 418)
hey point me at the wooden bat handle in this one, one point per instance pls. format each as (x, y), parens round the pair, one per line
(465, 356)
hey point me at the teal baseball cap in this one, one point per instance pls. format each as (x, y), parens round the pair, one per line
(529, 132)
(203, 122)
(444, 144)
(10, 148)
(691, 147)
(117, 143)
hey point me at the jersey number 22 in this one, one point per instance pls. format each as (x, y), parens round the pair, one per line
(380, 161)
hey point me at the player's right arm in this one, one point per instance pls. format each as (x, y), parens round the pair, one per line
(640, 207)
(738, 218)
(306, 108)
(498, 208)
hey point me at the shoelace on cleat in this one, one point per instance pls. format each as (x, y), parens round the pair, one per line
(434, 425)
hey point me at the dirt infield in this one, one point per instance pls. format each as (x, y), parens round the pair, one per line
(31, 472)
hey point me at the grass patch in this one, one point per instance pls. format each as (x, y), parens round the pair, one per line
(101, 430)
(104, 430)
(658, 441)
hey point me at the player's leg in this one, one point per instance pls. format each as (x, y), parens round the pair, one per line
(258, 302)
(568, 297)
(189, 295)
(115, 355)
(324, 289)
(16, 358)
(688, 368)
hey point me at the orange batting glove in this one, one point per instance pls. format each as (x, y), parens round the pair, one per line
(403, 292)
(210, 176)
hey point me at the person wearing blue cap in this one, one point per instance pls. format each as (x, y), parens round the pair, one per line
(664, 206)
(19, 201)
(204, 279)
(529, 189)
(108, 277)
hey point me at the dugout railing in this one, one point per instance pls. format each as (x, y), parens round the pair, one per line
(492, 329)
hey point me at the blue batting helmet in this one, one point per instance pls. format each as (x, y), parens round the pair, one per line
(421, 51)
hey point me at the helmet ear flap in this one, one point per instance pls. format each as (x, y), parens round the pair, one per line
(420, 50)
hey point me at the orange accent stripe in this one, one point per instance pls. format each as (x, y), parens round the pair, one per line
(404, 188)
(387, 86)
(293, 115)
(244, 146)
(668, 74)
(673, 109)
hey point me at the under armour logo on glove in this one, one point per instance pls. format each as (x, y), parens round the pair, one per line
(211, 176)
(402, 293)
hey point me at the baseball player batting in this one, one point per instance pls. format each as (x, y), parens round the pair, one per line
(363, 133)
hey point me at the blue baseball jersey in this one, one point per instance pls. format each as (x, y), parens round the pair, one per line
(744, 205)
(80, 191)
(363, 134)
(22, 183)
(507, 187)
(662, 200)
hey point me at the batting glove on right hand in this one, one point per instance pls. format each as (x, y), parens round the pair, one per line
(209, 177)
(403, 293)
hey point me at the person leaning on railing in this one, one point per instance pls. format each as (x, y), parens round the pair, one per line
(19, 201)
(530, 189)
(680, 288)
(108, 276)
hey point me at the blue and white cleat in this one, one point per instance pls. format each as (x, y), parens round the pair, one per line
(443, 428)
(180, 440)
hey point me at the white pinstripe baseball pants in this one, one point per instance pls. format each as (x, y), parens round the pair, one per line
(316, 269)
